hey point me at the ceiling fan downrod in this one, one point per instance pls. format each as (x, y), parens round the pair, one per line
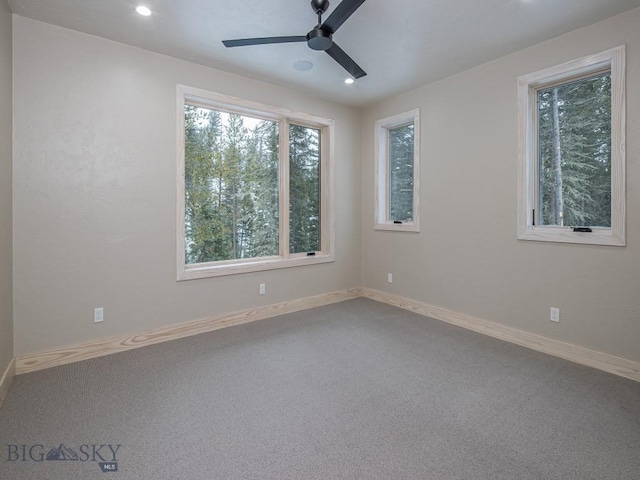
(319, 39)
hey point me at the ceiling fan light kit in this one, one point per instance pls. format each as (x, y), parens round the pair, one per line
(320, 38)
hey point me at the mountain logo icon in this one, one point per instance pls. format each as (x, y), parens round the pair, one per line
(62, 453)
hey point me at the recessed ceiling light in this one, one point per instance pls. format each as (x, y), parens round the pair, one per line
(142, 10)
(349, 81)
(302, 65)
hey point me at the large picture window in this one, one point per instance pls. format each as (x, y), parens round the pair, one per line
(254, 190)
(572, 152)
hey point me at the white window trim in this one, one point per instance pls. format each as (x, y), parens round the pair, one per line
(527, 85)
(381, 197)
(206, 99)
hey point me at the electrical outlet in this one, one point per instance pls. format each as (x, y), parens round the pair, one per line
(555, 314)
(389, 278)
(263, 288)
(98, 315)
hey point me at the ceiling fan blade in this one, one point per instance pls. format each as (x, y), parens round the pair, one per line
(243, 42)
(345, 61)
(341, 14)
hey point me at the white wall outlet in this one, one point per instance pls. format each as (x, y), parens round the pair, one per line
(389, 278)
(98, 315)
(263, 288)
(555, 314)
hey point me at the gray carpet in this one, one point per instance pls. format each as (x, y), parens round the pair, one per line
(355, 390)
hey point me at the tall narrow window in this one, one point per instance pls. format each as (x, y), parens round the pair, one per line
(304, 189)
(401, 172)
(236, 210)
(397, 172)
(572, 141)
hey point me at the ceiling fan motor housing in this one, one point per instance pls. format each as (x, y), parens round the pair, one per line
(319, 39)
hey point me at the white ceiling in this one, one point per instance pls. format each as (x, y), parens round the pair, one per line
(401, 44)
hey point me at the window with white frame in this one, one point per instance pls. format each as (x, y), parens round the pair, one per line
(397, 172)
(571, 176)
(254, 186)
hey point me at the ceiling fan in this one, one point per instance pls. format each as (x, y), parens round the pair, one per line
(321, 37)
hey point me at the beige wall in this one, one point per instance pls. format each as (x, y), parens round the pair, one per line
(6, 298)
(94, 205)
(466, 257)
(94, 202)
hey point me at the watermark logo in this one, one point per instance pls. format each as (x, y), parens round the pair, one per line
(105, 455)
(62, 453)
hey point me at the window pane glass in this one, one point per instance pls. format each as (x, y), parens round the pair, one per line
(574, 153)
(401, 173)
(231, 186)
(304, 189)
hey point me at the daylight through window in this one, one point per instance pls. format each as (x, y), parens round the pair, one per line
(237, 211)
(572, 140)
(304, 189)
(400, 144)
(231, 186)
(574, 153)
(397, 172)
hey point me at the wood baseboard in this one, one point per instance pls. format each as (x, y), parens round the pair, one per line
(584, 356)
(7, 379)
(62, 356)
(108, 346)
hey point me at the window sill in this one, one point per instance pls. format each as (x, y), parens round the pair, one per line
(206, 270)
(398, 227)
(599, 236)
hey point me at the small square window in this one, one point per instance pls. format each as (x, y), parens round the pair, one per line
(571, 173)
(397, 172)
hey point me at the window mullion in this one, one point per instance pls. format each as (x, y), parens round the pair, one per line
(380, 176)
(325, 183)
(534, 208)
(284, 188)
(387, 177)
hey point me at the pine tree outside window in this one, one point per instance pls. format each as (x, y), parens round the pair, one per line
(571, 142)
(304, 189)
(397, 172)
(254, 186)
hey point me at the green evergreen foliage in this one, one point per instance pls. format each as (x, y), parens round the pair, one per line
(401, 142)
(304, 189)
(574, 153)
(232, 187)
(265, 147)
